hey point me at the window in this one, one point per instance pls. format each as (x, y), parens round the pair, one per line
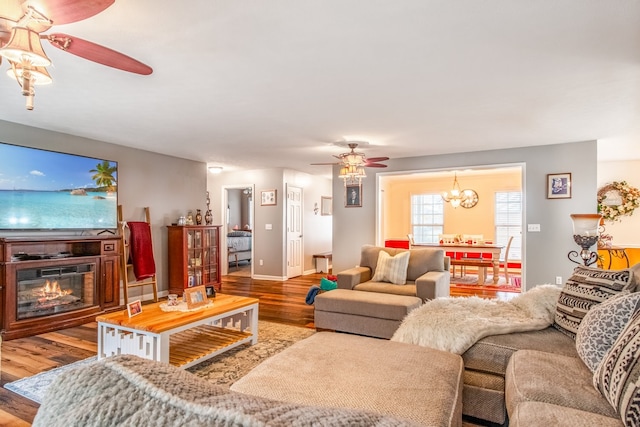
(508, 222)
(427, 217)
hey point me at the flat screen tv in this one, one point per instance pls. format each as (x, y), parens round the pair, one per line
(48, 190)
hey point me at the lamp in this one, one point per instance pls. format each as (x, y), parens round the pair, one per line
(215, 169)
(27, 58)
(456, 196)
(585, 234)
(352, 173)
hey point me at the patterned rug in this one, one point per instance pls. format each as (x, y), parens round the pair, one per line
(223, 369)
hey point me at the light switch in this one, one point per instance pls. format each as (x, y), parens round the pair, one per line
(268, 227)
(533, 228)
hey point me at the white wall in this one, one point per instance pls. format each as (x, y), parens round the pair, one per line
(170, 186)
(625, 232)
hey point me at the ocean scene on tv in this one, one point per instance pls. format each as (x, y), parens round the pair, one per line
(47, 190)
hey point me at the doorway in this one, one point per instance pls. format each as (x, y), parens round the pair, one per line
(295, 253)
(412, 203)
(237, 238)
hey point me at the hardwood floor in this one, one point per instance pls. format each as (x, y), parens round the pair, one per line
(282, 302)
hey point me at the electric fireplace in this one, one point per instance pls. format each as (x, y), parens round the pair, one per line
(52, 290)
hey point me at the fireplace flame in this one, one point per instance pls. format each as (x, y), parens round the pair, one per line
(52, 290)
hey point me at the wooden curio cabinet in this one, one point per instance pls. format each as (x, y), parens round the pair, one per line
(194, 256)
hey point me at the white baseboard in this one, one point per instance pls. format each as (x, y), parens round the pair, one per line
(274, 278)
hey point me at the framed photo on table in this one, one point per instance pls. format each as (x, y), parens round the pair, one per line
(559, 186)
(134, 308)
(268, 198)
(196, 296)
(353, 195)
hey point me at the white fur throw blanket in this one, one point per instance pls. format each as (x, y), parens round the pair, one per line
(455, 324)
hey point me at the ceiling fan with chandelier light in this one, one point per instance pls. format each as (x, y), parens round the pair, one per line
(353, 164)
(22, 24)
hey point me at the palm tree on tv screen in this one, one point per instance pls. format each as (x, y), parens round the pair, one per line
(103, 175)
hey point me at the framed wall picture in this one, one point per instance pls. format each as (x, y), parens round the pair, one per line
(196, 296)
(559, 186)
(134, 308)
(353, 195)
(268, 198)
(326, 205)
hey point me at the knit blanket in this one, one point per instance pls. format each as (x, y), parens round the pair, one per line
(455, 324)
(130, 391)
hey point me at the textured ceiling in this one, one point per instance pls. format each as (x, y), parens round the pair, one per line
(252, 84)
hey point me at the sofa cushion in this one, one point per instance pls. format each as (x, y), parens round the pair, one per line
(491, 354)
(408, 289)
(423, 260)
(602, 325)
(552, 378)
(392, 269)
(584, 289)
(617, 377)
(547, 414)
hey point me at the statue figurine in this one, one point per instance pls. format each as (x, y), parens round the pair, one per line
(189, 218)
(208, 217)
(198, 217)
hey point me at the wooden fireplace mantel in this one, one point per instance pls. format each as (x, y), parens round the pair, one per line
(18, 253)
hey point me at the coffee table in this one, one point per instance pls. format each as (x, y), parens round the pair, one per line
(182, 339)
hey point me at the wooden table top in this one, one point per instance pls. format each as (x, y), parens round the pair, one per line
(153, 319)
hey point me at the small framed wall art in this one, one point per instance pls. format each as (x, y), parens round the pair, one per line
(559, 186)
(353, 195)
(196, 296)
(268, 198)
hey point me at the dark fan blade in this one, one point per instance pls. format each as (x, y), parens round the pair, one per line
(68, 11)
(376, 159)
(96, 53)
(374, 165)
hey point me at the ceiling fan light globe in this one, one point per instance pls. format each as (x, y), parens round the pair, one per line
(39, 75)
(24, 47)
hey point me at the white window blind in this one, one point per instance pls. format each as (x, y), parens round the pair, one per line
(508, 221)
(427, 217)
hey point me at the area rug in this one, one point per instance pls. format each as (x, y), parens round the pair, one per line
(493, 288)
(223, 369)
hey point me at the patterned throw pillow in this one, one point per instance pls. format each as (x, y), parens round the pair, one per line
(618, 376)
(584, 289)
(392, 269)
(602, 325)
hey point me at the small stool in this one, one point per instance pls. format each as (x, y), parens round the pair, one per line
(373, 314)
(420, 384)
(322, 262)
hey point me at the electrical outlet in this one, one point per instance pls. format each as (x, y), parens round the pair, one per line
(533, 228)
(558, 280)
(261, 262)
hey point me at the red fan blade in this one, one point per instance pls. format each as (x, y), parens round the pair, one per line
(68, 11)
(374, 165)
(96, 53)
(376, 159)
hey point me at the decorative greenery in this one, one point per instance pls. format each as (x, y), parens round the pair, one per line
(630, 200)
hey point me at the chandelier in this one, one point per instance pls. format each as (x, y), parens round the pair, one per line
(456, 196)
(352, 173)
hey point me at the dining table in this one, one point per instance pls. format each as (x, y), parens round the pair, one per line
(470, 248)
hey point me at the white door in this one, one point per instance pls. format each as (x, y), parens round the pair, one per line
(294, 232)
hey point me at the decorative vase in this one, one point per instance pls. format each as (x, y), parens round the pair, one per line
(208, 217)
(198, 217)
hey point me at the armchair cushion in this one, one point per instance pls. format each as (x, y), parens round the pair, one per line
(392, 269)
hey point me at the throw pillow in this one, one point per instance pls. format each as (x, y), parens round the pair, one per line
(618, 376)
(583, 290)
(392, 269)
(602, 325)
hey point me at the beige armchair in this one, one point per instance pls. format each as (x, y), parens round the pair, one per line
(428, 274)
